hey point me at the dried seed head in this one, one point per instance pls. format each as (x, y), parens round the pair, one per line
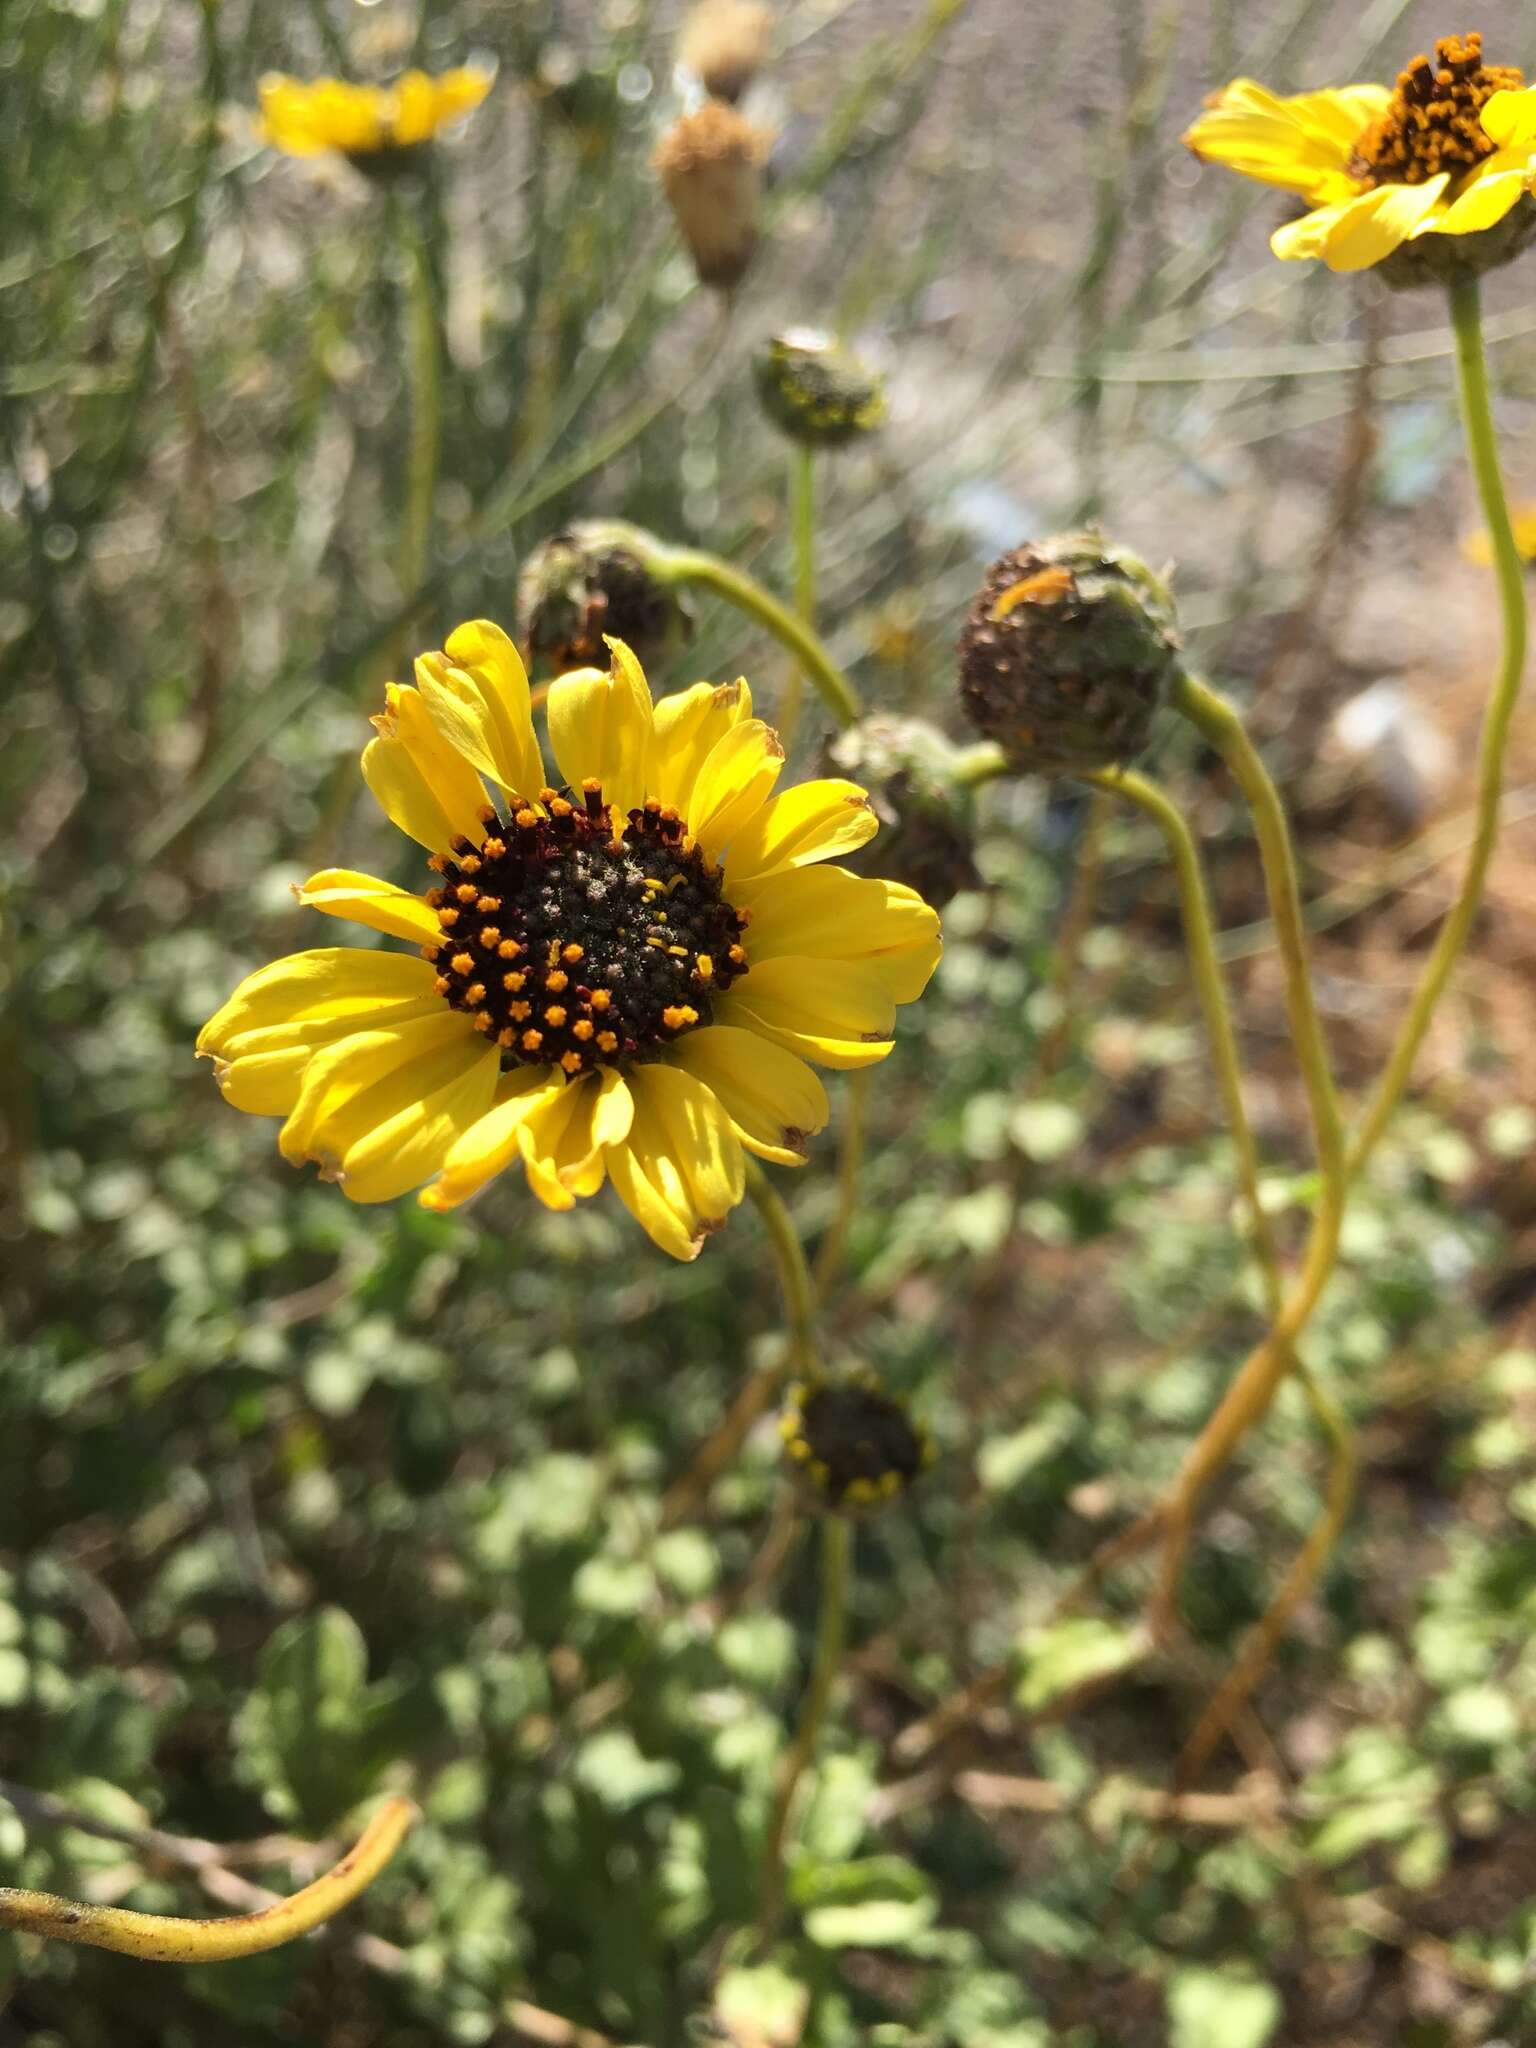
(816, 390)
(855, 1445)
(593, 580)
(1067, 653)
(927, 832)
(724, 44)
(711, 168)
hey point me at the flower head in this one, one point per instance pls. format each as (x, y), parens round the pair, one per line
(370, 124)
(1067, 653)
(1450, 151)
(724, 44)
(854, 1443)
(711, 168)
(815, 390)
(621, 971)
(592, 580)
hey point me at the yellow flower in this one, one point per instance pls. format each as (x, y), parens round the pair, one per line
(621, 978)
(306, 119)
(1451, 150)
(1478, 547)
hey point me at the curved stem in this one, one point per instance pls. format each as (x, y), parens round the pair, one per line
(802, 527)
(1483, 455)
(836, 1546)
(1205, 971)
(163, 1938)
(694, 565)
(800, 1355)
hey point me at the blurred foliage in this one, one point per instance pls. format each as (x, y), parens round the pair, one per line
(303, 1502)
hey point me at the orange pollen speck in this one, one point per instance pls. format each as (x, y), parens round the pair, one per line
(737, 955)
(436, 862)
(572, 953)
(601, 999)
(554, 1016)
(495, 848)
(470, 864)
(590, 786)
(467, 892)
(509, 949)
(447, 917)
(463, 963)
(532, 1040)
(513, 982)
(704, 967)
(608, 1041)
(520, 1012)
(490, 936)
(679, 1015)
(557, 981)
(483, 1020)
(571, 1061)
(475, 993)
(526, 820)
(582, 1028)
(559, 808)
(488, 905)
(505, 1036)
(442, 984)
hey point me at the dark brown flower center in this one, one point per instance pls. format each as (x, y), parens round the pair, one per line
(857, 1444)
(1434, 120)
(573, 947)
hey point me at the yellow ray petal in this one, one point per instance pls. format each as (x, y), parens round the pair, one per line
(563, 1143)
(734, 783)
(345, 892)
(422, 104)
(811, 822)
(680, 1171)
(1497, 185)
(477, 693)
(772, 1097)
(1302, 143)
(444, 1096)
(837, 1015)
(1358, 232)
(600, 727)
(489, 1146)
(422, 783)
(264, 1083)
(1509, 119)
(827, 914)
(688, 723)
(337, 1101)
(329, 982)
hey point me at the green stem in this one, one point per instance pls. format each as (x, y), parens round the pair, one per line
(831, 1629)
(1483, 454)
(800, 1355)
(424, 375)
(1205, 970)
(802, 527)
(694, 565)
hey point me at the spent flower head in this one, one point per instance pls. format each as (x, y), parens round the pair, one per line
(1428, 180)
(378, 128)
(711, 168)
(621, 971)
(1067, 653)
(724, 44)
(927, 836)
(592, 581)
(854, 1444)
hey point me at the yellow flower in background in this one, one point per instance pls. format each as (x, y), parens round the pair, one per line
(1451, 150)
(621, 978)
(306, 118)
(1478, 547)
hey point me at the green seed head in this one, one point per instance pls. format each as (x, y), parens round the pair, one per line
(852, 1444)
(815, 390)
(592, 579)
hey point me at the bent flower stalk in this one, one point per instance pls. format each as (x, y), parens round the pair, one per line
(621, 974)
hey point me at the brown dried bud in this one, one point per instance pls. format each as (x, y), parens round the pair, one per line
(724, 44)
(594, 579)
(927, 834)
(1067, 654)
(711, 167)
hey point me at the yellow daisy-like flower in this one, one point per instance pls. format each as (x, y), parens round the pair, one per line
(308, 117)
(1451, 150)
(621, 978)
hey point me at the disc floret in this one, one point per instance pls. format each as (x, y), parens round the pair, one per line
(857, 1445)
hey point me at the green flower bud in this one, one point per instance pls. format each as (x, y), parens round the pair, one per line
(815, 390)
(595, 578)
(1067, 654)
(853, 1444)
(926, 832)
